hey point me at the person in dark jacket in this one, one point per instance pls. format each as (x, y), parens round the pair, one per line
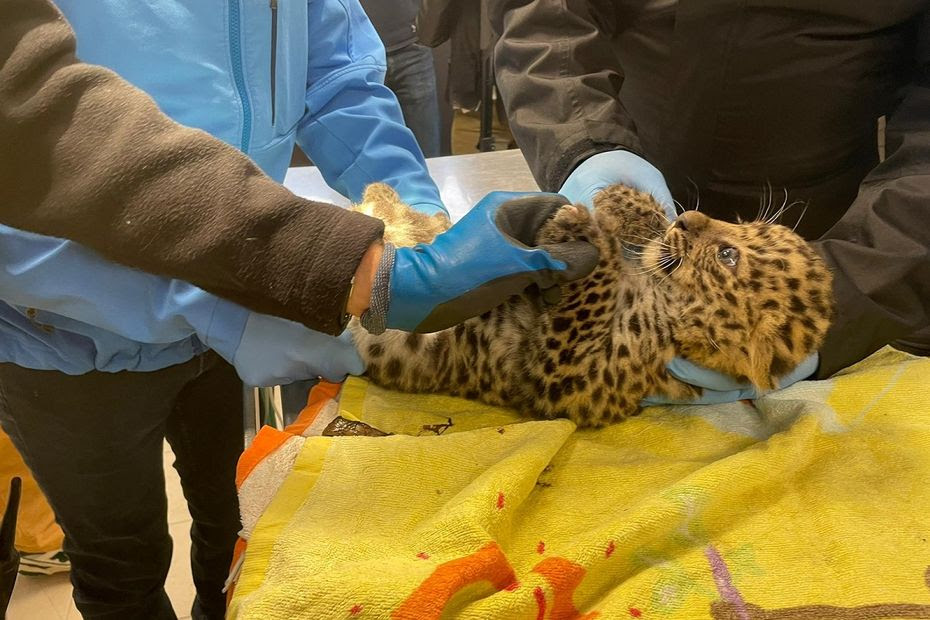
(733, 102)
(410, 72)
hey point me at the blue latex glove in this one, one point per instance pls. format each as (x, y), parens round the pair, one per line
(485, 258)
(613, 167)
(719, 388)
(276, 351)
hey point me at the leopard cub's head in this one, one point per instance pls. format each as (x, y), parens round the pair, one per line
(751, 300)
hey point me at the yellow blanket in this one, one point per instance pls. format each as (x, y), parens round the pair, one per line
(814, 503)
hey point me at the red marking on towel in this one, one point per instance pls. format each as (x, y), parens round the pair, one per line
(540, 603)
(609, 551)
(423, 555)
(500, 500)
(513, 586)
(356, 610)
(541, 548)
(635, 612)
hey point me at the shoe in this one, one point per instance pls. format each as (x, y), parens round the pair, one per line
(47, 563)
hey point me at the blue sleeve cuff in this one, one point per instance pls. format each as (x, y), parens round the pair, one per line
(429, 207)
(227, 324)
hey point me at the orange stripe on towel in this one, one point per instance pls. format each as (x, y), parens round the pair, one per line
(320, 394)
(266, 441)
(270, 439)
(428, 601)
(564, 576)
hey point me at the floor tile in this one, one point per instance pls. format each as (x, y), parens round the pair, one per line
(58, 590)
(73, 613)
(31, 600)
(49, 597)
(180, 583)
(177, 505)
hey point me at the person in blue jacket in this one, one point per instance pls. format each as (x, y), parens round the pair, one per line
(128, 359)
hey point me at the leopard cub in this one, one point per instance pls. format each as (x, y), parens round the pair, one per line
(750, 300)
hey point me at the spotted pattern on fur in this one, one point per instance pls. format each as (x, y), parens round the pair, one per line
(658, 291)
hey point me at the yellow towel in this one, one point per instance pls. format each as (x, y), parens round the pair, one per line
(813, 504)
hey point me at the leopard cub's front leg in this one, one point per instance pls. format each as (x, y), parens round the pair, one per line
(398, 360)
(403, 225)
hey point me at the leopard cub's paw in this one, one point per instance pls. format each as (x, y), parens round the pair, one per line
(379, 200)
(403, 225)
(629, 215)
(570, 223)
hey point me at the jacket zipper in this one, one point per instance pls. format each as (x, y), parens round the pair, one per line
(235, 53)
(274, 53)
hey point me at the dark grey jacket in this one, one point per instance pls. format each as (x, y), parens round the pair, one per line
(462, 23)
(729, 97)
(395, 21)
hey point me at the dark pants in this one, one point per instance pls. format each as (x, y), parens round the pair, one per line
(95, 445)
(411, 76)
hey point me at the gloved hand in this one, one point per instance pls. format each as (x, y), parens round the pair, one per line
(719, 388)
(479, 263)
(612, 167)
(276, 351)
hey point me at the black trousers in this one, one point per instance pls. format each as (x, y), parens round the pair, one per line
(410, 74)
(95, 445)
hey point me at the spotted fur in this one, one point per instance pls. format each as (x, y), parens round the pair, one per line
(751, 300)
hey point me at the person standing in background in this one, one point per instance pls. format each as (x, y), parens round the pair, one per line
(464, 27)
(38, 537)
(410, 72)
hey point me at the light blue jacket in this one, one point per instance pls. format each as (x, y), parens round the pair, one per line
(208, 64)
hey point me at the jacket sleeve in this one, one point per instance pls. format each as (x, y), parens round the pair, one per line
(880, 250)
(88, 157)
(67, 279)
(353, 129)
(560, 80)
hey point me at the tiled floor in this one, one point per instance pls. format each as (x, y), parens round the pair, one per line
(49, 598)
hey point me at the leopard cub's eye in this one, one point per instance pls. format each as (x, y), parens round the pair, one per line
(728, 256)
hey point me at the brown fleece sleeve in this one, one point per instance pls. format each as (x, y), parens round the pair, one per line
(88, 157)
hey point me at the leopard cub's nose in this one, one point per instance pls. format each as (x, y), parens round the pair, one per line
(690, 221)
